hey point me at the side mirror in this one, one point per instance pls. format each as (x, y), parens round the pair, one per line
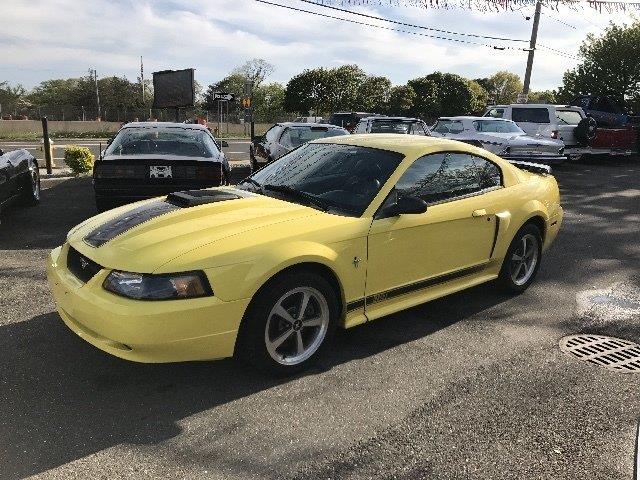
(224, 144)
(406, 205)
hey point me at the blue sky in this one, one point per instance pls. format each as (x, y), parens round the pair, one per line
(42, 39)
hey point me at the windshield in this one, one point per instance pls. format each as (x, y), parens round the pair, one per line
(496, 126)
(175, 141)
(390, 126)
(568, 117)
(448, 126)
(293, 137)
(344, 177)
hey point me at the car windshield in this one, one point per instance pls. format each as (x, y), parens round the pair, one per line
(390, 126)
(568, 117)
(345, 178)
(496, 126)
(293, 137)
(174, 141)
(448, 126)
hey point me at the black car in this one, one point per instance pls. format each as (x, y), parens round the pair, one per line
(284, 137)
(348, 120)
(19, 178)
(402, 125)
(150, 159)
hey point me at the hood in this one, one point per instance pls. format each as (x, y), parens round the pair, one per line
(143, 236)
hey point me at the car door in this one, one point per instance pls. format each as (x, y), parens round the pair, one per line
(452, 239)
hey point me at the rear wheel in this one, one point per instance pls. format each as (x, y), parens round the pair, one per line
(289, 323)
(522, 261)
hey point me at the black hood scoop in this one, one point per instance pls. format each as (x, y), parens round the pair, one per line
(192, 198)
(174, 201)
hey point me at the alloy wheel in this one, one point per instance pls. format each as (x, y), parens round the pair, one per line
(524, 259)
(297, 325)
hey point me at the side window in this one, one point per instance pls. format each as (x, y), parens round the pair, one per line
(495, 113)
(285, 138)
(532, 115)
(361, 128)
(272, 133)
(417, 129)
(488, 172)
(439, 177)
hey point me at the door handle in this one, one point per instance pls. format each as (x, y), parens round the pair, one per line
(481, 212)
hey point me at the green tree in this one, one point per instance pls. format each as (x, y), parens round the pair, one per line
(543, 96)
(503, 87)
(12, 99)
(343, 84)
(442, 94)
(610, 65)
(268, 101)
(480, 97)
(310, 90)
(424, 103)
(373, 94)
(401, 100)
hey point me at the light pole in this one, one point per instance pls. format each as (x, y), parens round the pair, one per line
(532, 48)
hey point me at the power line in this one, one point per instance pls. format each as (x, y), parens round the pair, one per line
(561, 53)
(559, 21)
(450, 32)
(437, 37)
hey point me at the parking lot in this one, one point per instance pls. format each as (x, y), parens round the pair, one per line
(469, 386)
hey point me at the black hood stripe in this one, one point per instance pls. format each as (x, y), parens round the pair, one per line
(128, 220)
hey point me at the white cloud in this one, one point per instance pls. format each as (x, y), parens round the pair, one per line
(42, 39)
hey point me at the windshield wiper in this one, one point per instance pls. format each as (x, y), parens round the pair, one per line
(312, 199)
(253, 182)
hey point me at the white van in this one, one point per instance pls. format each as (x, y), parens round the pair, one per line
(551, 121)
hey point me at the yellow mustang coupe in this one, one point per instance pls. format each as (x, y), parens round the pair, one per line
(336, 233)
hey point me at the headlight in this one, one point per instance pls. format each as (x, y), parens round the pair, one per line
(170, 286)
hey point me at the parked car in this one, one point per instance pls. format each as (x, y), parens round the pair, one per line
(284, 137)
(580, 133)
(149, 159)
(606, 111)
(338, 232)
(502, 137)
(348, 120)
(19, 178)
(403, 125)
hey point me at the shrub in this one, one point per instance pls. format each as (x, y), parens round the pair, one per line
(79, 159)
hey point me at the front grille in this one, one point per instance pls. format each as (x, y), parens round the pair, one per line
(81, 266)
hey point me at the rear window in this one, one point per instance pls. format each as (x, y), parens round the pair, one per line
(295, 136)
(568, 117)
(448, 126)
(530, 115)
(390, 126)
(174, 141)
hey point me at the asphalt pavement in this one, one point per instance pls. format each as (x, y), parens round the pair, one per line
(472, 386)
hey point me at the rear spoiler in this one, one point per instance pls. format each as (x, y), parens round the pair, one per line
(531, 167)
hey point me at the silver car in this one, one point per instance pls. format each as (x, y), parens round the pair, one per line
(500, 136)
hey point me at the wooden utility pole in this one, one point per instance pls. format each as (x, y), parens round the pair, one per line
(532, 48)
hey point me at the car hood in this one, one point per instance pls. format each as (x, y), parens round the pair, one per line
(144, 236)
(530, 140)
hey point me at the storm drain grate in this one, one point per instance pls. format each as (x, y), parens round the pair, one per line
(608, 352)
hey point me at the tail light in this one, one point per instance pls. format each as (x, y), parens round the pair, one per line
(210, 172)
(554, 134)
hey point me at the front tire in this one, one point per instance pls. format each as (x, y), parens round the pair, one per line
(289, 323)
(31, 195)
(522, 261)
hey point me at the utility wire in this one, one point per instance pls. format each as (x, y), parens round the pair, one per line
(437, 37)
(373, 17)
(559, 21)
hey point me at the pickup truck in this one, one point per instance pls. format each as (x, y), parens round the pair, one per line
(580, 133)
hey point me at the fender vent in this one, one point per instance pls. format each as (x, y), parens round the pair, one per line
(611, 353)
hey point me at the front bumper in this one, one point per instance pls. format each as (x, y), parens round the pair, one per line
(143, 331)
